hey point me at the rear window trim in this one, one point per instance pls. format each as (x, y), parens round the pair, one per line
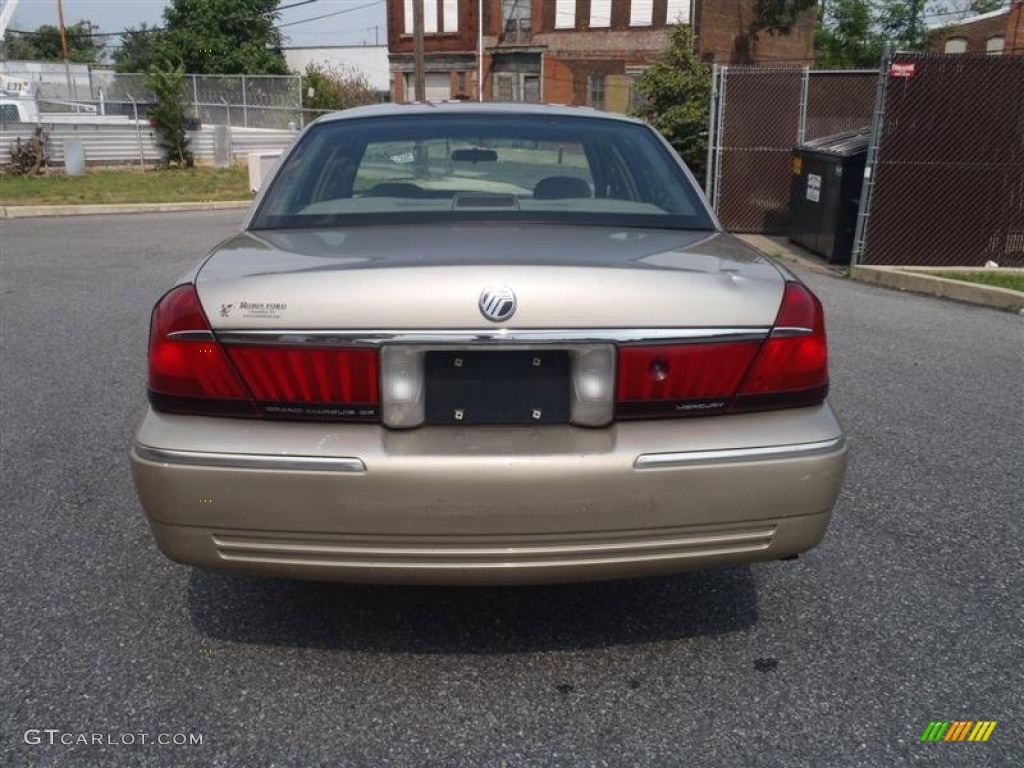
(700, 220)
(414, 218)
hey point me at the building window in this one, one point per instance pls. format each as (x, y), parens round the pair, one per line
(518, 20)
(595, 91)
(565, 14)
(641, 13)
(636, 99)
(438, 16)
(677, 12)
(600, 13)
(956, 45)
(517, 86)
(430, 17)
(450, 15)
(995, 44)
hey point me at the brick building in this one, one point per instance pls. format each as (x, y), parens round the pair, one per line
(996, 33)
(1015, 29)
(570, 51)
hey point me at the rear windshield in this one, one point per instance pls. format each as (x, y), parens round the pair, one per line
(416, 168)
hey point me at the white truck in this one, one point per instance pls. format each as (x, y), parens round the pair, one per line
(17, 102)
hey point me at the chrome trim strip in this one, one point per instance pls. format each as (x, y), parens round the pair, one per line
(495, 336)
(191, 335)
(249, 460)
(790, 330)
(691, 458)
(504, 564)
(307, 546)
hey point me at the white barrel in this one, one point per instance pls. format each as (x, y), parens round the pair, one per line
(74, 157)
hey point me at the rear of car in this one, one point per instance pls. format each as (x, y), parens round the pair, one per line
(481, 345)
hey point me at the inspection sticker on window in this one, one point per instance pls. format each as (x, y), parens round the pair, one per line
(813, 187)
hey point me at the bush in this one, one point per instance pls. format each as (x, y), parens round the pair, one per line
(335, 88)
(677, 99)
(168, 116)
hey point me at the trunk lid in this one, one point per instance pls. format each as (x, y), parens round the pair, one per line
(431, 277)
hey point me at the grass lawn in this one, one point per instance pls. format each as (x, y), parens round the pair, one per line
(128, 186)
(1014, 281)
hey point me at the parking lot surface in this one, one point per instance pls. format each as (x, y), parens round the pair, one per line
(912, 610)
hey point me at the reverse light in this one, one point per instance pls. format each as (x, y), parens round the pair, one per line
(402, 392)
(593, 385)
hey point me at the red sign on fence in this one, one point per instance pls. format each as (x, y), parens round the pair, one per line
(904, 69)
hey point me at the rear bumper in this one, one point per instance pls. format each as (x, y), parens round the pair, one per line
(487, 505)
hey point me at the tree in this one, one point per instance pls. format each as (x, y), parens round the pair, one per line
(44, 44)
(335, 89)
(778, 16)
(137, 49)
(846, 37)
(853, 33)
(168, 116)
(903, 24)
(223, 37)
(976, 7)
(19, 47)
(677, 98)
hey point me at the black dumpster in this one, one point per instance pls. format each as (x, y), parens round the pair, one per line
(824, 195)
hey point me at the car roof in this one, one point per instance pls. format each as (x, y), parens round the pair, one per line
(474, 108)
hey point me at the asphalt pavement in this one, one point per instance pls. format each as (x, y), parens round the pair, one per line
(912, 610)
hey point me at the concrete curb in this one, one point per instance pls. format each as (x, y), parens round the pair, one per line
(33, 211)
(780, 248)
(905, 279)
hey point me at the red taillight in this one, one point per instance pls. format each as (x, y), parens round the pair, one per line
(290, 375)
(188, 370)
(790, 368)
(679, 379)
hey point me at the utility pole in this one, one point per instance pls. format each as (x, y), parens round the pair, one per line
(64, 48)
(480, 50)
(417, 31)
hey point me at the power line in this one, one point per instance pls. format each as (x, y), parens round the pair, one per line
(293, 5)
(328, 15)
(122, 33)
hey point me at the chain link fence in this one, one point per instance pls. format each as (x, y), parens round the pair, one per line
(246, 101)
(758, 115)
(947, 183)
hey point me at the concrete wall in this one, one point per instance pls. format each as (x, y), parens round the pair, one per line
(368, 60)
(118, 144)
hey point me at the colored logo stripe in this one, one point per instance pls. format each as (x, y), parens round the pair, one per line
(982, 730)
(958, 730)
(935, 730)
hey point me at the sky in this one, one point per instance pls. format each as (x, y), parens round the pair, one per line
(353, 27)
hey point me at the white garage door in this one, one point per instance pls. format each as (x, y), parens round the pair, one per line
(439, 86)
